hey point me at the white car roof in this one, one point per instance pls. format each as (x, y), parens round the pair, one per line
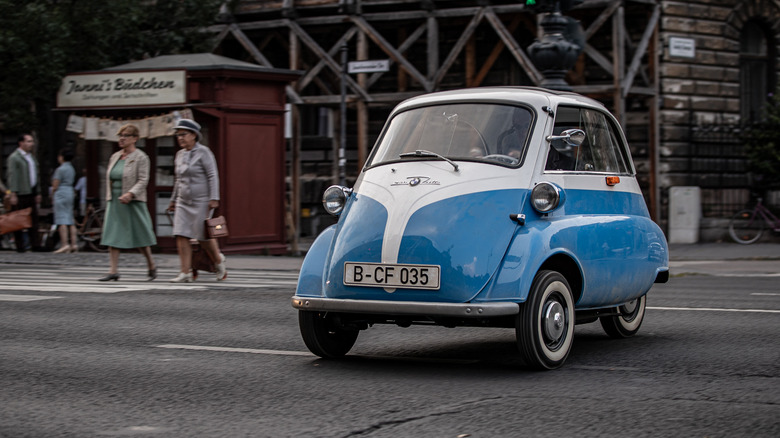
(536, 97)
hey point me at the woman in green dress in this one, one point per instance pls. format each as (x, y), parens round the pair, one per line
(127, 222)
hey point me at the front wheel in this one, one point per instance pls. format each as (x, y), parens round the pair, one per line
(746, 227)
(322, 335)
(93, 231)
(626, 323)
(545, 324)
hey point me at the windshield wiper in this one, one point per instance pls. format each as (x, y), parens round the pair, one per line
(424, 153)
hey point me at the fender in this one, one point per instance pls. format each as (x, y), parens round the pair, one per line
(528, 252)
(608, 274)
(310, 280)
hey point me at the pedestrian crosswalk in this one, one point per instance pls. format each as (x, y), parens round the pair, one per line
(15, 281)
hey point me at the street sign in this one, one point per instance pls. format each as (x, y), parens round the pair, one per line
(380, 65)
(682, 47)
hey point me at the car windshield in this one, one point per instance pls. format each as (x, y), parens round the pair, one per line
(466, 131)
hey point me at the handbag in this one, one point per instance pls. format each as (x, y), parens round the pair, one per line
(216, 227)
(16, 220)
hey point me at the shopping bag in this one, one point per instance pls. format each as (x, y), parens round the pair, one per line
(16, 220)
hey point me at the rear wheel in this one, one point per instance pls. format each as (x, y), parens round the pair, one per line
(93, 231)
(627, 322)
(746, 227)
(545, 324)
(322, 335)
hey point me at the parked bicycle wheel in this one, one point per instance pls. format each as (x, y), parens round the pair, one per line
(746, 227)
(93, 231)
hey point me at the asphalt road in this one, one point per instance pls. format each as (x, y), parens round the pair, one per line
(226, 360)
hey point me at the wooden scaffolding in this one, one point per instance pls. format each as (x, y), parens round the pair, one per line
(439, 45)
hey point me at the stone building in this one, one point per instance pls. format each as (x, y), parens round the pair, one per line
(710, 88)
(681, 76)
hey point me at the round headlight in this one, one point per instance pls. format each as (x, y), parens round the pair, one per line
(545, 197)
(334, 199)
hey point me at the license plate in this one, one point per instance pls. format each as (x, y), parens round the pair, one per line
(392, 275)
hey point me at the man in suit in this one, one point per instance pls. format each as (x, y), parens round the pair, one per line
(25, 188)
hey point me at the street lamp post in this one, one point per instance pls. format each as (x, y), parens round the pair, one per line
(554, 55)
(343, 119)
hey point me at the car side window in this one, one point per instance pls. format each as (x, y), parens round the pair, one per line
(601, 151)
(561, 155)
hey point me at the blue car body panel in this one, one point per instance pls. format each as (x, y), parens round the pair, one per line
(487, 257)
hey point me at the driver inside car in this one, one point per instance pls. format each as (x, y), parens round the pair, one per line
(511, 141)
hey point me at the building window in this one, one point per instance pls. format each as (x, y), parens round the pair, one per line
(756, 71)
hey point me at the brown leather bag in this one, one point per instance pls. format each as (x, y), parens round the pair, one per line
(216, 227)
(16, 220)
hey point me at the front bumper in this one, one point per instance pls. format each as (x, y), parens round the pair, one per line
(463, 310)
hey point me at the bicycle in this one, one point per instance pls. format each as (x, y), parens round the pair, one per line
(91, 228)
(88, 232)
(747, 226)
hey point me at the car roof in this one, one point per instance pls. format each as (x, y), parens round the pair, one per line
(533, 96)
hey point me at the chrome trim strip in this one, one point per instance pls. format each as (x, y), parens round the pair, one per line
(463, 310)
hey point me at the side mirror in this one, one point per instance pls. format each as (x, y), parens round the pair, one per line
(572, 137)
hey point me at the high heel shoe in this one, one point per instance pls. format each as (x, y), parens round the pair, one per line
(74, 248)
(221, 268)
(152, 274)
(110, 277)
(63, 249)
(183, 278)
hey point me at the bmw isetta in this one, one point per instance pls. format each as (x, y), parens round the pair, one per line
(510, 207)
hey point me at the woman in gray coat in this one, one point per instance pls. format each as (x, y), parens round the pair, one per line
(195, 196)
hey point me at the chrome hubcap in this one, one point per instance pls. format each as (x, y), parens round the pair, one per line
(554, 321)
(630, 307)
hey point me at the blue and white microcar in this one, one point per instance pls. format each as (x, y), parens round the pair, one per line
(494, 207)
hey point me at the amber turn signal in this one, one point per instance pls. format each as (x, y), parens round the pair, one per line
(612, 180)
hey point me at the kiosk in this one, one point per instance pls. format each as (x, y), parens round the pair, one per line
(240, 107)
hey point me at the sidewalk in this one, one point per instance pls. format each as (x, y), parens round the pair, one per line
(702, 258)
(760, 259)
(724, 251)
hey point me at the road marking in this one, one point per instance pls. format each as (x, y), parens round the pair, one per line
(713, 309)
(746, 275)
(235, 350)
(307, 354)
(765, 294)
(84, 288)
(80, 279)
(4, 297)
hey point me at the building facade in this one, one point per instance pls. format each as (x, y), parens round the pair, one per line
(710, 92)
(682, 76)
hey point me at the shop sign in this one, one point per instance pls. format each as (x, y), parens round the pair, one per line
(123, 89)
